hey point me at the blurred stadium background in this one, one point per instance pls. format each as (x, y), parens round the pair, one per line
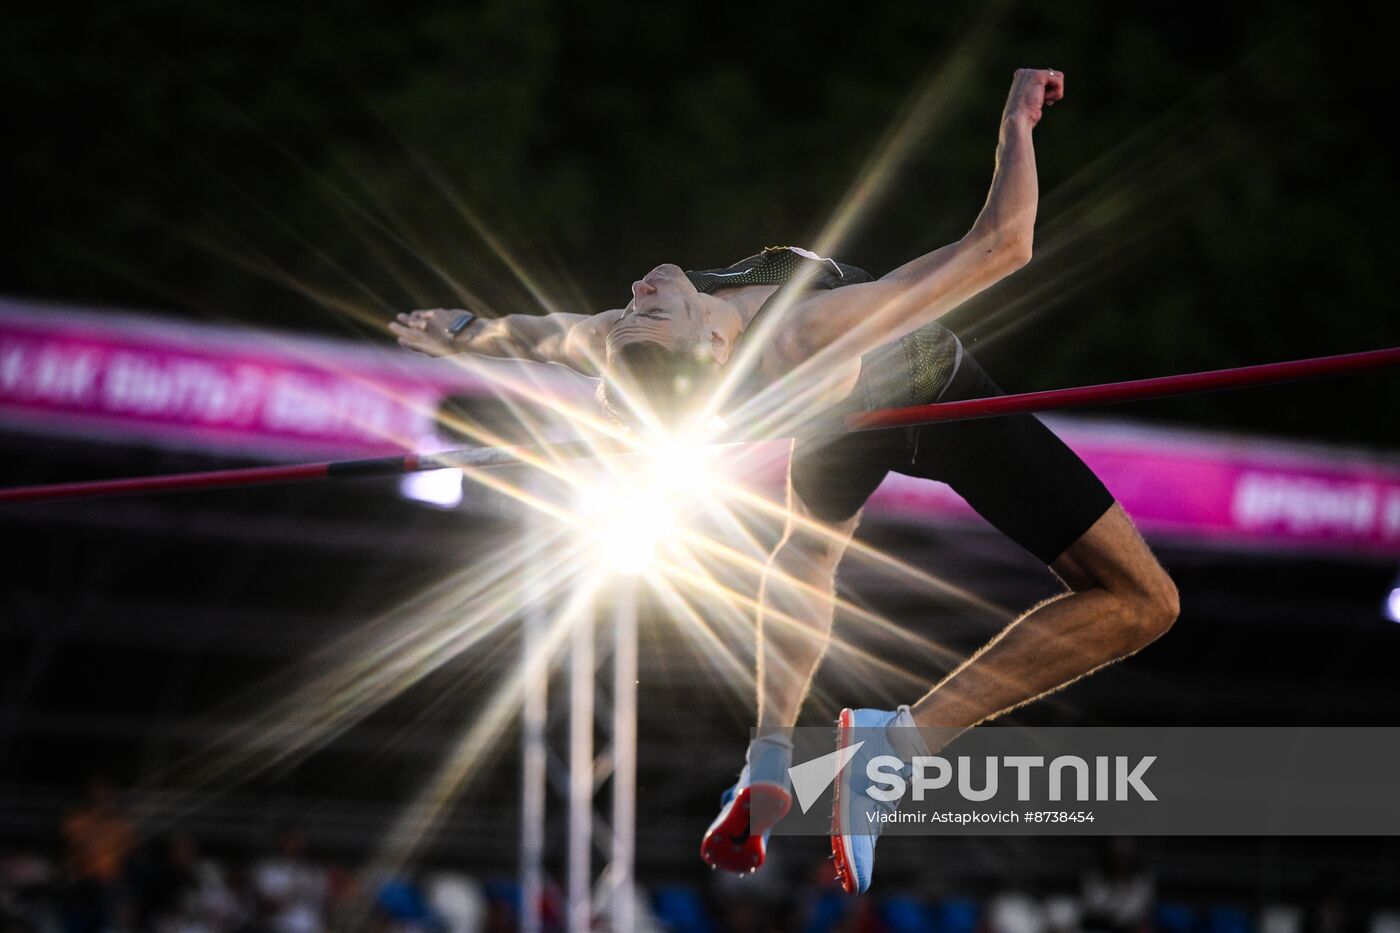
(214, 209)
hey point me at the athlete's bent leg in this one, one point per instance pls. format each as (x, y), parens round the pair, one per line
(1119, 601)
(796, 605)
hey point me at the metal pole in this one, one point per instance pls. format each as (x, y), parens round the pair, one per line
(533, 761)
(581, 684)
(624, 802)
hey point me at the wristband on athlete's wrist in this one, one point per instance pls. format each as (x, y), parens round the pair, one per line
(463, 321)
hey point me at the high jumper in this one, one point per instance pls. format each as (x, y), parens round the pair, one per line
(785, 322)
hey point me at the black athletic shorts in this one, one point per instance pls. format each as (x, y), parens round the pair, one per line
(1013, 470)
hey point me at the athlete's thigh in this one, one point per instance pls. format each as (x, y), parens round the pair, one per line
(830, 477)
(810, 537)
(1013, 471)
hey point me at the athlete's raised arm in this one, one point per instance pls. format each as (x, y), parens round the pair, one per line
(572, 340)
(854, 319)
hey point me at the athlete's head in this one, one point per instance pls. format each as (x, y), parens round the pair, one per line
(668, 348)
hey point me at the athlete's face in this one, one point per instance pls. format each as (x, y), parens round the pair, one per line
(665, 309)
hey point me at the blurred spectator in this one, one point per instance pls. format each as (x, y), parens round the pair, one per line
(1062, 914)
(1016, 912)
(190, 894)
(459, 901)
(26, 894)
(1328, 912)
(1118, 894)
(290, 891)
(1281, 918)
(400, 907)
(99, 838)
(343, 896)
(156, 879)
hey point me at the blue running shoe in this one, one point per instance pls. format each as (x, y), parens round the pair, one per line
(737, 840)
(856, 816)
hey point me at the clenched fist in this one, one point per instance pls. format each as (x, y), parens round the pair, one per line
(1032, 90)
(426, 331)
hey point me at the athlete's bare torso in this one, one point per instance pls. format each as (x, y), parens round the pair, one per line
(775, 360)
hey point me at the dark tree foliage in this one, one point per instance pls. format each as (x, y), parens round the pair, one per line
(1216, 188)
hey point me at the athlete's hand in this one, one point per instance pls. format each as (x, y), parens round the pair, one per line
(426, 331)
(1032, 90)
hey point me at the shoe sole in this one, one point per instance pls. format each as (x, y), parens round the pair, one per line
(732, 843)
(840, 839)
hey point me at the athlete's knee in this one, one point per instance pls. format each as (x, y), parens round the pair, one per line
(1154, 604)
(1112, 558)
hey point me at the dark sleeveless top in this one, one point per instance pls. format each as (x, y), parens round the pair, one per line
(913, 370)
(777, 265)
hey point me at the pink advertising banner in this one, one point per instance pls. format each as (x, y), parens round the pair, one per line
(136, 378)
(131, 377)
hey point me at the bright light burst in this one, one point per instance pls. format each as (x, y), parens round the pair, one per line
(626, 526)
(631, 516)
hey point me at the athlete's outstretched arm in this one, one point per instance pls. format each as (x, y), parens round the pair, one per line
(848, 321)
(572, 340)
